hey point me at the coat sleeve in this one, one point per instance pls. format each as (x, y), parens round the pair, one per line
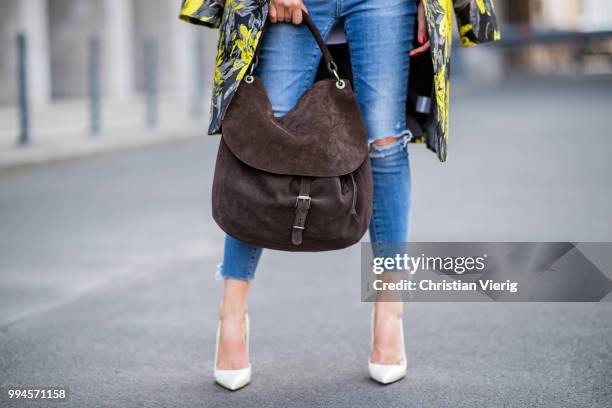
(202, 12)
(477, 21)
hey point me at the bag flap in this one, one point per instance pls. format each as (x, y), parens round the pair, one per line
(322, 136)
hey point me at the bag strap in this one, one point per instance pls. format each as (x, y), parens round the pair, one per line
(329, 61)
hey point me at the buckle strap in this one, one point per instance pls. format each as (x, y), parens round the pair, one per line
(302, 205)
(354, 201)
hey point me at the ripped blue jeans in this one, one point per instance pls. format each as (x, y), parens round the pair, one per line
(379, 34)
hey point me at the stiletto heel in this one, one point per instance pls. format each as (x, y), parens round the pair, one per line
(387, 374)
(233, 379)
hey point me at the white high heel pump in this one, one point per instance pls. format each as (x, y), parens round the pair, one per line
(233, 379)
(383, 373)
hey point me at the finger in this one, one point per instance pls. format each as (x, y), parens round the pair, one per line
(273, 13)
(291, 12)
(297, 17)
(418, 51)
(288, 15)
(422, 34)
(280, 14)
(422, 26)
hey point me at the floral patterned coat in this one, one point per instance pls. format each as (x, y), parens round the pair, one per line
(241, 23)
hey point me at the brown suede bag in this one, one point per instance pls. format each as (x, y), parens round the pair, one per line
(301, 182)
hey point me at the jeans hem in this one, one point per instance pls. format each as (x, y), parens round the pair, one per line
(222, 275)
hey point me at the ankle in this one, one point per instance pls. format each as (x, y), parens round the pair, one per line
(232, 310)
(389, 309)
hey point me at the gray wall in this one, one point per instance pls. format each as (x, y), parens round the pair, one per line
(71, 24)
(61, 29)
(8, 62)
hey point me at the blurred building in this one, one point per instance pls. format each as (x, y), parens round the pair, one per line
(581, 15)
(59, 33)
(569, 36)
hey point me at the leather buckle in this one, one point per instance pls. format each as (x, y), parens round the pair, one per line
(304, 198)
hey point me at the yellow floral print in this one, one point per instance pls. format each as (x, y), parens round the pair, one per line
(246, 43)
(205, 12)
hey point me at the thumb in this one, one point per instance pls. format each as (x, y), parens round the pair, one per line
(421, 26)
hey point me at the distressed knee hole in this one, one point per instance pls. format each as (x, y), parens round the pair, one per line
(389, 145)
(386, 141)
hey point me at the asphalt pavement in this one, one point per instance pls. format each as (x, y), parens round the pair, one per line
(107, 273)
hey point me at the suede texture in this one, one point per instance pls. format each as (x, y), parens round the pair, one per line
(263, 160)
(257, 207)
(322, 136)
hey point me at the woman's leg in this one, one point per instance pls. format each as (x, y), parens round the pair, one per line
(237, 269)
(287, 65)
(233, 350)
(389, 224)
(380, 36)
